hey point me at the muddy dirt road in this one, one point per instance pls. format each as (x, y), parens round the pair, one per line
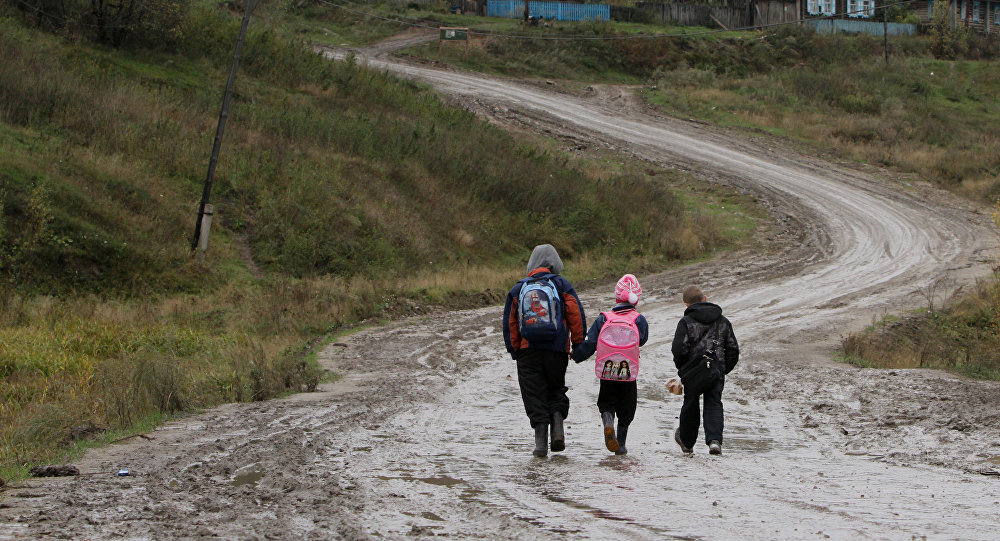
(426, 435)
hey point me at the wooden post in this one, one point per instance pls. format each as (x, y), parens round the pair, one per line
(718, 22)
(206, 225)
(221, 127)
(885, 33)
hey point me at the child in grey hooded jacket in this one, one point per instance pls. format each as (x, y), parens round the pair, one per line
(541, 363)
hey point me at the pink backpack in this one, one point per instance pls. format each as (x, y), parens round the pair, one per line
(617, 356)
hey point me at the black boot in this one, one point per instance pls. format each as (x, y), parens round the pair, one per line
(622, 434)
(558, 435)
(609, 430)
(541, 439)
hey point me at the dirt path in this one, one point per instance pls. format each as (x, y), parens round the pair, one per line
(427, 436)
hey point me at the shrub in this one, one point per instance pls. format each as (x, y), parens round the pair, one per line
(156, 24)
(947, 41)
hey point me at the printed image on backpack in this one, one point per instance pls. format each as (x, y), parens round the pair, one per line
(539, 310)
(618, 348)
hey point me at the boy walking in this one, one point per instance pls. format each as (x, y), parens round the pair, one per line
(703, 333)
(541, 319)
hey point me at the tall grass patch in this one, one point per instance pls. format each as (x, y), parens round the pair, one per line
(109, 364)
(962, 338)
(358, 196)
(931, 115)
(329, 168)
(934, 118)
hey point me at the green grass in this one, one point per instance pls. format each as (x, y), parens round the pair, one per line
(360, 197)
(932, 119)
(327, 204)
(962, 337)
(619, 60)
(928, 118)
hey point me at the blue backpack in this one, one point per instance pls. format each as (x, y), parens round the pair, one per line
(539, 309)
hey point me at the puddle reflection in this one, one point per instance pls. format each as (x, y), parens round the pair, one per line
(249, 478)
(443, 480)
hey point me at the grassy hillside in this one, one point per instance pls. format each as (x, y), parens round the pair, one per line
(342, 195)
(936, 119)
(932, 114)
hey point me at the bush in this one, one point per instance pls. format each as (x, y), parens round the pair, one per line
(155, 24)
(962, 338)
(947, 41)
(370, 188)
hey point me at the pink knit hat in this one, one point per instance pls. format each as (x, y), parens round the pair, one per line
(628, 289)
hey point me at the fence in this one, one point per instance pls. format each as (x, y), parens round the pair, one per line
(695, 15)
(559, 11)
(770, 12)
(764, 12)
(832, 26)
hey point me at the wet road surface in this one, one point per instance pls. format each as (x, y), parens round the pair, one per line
(426, 435)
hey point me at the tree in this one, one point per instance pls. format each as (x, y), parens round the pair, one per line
(948, 40)
(145, 23)
(149, 22)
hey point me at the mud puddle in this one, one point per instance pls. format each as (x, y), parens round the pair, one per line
(249, 478)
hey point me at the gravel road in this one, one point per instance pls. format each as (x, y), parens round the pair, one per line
(426, 435)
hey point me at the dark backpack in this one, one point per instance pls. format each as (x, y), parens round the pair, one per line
(705, 364)
(539, 309)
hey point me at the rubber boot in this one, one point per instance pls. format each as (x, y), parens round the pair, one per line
(609, 430)
(558, 434)
(541, 439)
(622, 434)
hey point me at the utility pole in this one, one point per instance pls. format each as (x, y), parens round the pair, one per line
(219, 130)
(885, 39)
(885, 30)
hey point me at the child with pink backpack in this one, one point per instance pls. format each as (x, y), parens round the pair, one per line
(615, 337)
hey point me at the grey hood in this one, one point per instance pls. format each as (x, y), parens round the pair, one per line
(545, 255)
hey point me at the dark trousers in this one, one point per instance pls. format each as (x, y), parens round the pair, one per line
(619, 397)
(713, 415)
(541, 375)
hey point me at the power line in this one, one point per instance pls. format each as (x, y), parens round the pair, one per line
(615, 38)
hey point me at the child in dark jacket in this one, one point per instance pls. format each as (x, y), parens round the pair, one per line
(616, 336)
(702, 320)
(541, 319)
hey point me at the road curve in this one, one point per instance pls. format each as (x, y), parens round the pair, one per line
(875, 238)
(426, 435)
(873, 245)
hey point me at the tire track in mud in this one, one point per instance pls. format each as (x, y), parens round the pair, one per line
(867, 245)
(426, 434)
